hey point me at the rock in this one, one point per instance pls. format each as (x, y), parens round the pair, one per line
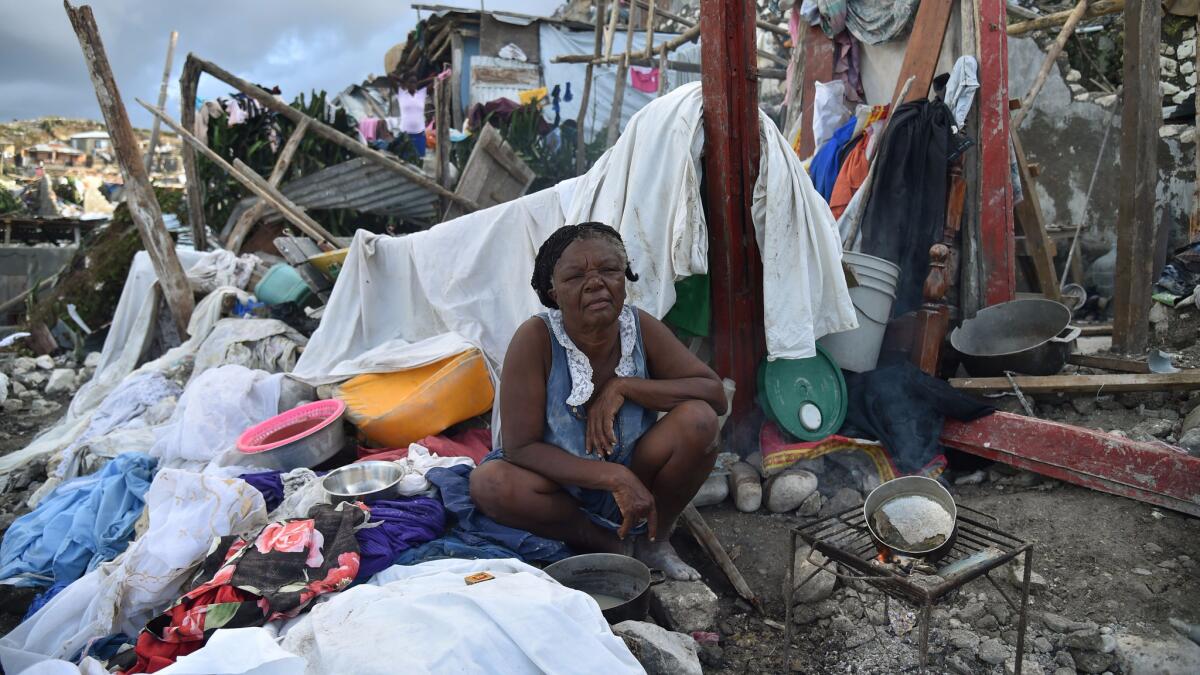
(1187, 67)
(1153, 428)
(1016, 577)
(992, 651)
(1142, 572)
(787, 491)
(41, 407)
(684, 606)
(1029, 666)
(1065, 660)
(1088, 639)
(62, 381)
(843, 624)
(842, 500)
(3, 387)
(12, 405)
(811, 506)
(1075, 76)
(92, 360)
(859, 638)
(1168, 89)
(958, 666)
(964, 640)
(974, 478)
(972, 612)
(819, 587)
(745, 487)
(1092, 662)
(1001, 611)
(807, 614)
(987, 622)
(1064, 671)
(33, 379)
(1144, 656)
(1152, 547)
(1190, 441)
(712, 656)
(1041, 645)
(23, 364)
(1168, 66)
(755, 459)
(1061, 624)
(1084, 405)
(44, 362)
(660, 651)
(16, 388)
(714, 490)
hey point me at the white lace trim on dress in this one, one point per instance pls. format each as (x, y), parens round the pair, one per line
(577, 362)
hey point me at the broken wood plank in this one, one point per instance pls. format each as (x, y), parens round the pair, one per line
(143, 206)
(252, 181)
(1137, 224)
(1028, 216)
(924, 47)
(237, 236)
(1096, 330)
(1117, 363)
(1097, 9)
(494, 173)
(1083, 384)
(1152, 473)
(162, 103)
(189, 80)
(329, 133)
(1049, 62)
(711, 545)
(586, 98)
(995, 199)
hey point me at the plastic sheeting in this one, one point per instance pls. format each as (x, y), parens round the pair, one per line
(187, 511)
(258, 344)
(522, 619)
(470, 276)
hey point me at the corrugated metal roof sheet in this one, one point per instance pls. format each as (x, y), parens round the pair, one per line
(358, 184)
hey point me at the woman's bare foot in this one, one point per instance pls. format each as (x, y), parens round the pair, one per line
(660, 555)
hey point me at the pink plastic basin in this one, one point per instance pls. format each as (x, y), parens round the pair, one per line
(304, 436)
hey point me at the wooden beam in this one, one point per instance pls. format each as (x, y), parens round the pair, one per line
(1028, 215)
(1137, 226)
(925, 47)
(237, 236)
(731, 155)
(610, 32)
(1048, 63)
(1098, 9)
(995, 200)
(252, 182)
(162, 102)
(189, 80)
(712, 546)
(618, 100)
(1148, 472)
(441, 115)
(795, 71)
(143, 206)
(1099, 330)
(1186, 380)
(329, 133)
(586, 97)
(818, 67)
(1117, 363)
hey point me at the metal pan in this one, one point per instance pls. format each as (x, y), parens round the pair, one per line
(610, 575)
(906, 486)
(1031, 337)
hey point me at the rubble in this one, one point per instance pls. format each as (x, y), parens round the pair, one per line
(811, 583)
(61, 381)
(787, 491)
(684, 606)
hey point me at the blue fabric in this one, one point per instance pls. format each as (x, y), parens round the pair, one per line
(418, 141)
(394, 527)
(269, 484)
(84, 522)
(827, 164)
(452, 546)
(566, 428)
(473, 529)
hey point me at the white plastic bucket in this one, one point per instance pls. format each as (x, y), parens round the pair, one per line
(858, 350)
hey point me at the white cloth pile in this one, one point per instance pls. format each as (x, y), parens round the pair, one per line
(416, 299)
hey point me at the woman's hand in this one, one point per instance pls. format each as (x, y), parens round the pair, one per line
(634, 500)
(601, 436)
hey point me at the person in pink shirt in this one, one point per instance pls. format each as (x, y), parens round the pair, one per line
(412, 112)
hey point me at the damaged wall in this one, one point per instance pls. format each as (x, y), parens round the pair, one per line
(1063, 134)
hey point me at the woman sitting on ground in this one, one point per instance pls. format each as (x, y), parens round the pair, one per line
(585, 459)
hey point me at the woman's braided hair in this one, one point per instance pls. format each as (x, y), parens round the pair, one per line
(552, 249)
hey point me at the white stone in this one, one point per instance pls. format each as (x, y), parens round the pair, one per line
(44, 362)
(92, 360)
(660, 651)
(819, 587)
(1166, 49)
(1188, 136)
(1189, 33)
(684, 606)
(22, 365)
(1078, 89)
(1029, 666)
(1190, 79)
(1183, 96)
(1187, 49)
(788, 491)
(1168, 66)
(12, 405)
(62, 381)
(1074, 75)
(1169, 130)
(1187, 67)
(714, 490)
(33, 380)
(3, 387)
(39, 407)
(745, 487)
(1107, 100)
(1168, 89)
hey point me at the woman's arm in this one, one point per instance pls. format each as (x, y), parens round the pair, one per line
(675, 374)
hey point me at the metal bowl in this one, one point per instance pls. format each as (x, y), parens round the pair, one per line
(364, 482)
(912, 486)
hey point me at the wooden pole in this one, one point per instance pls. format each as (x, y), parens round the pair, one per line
(189, 79)
(610, 33)
(997, 252)
(662, 70)
(330, 134)
(143, 206)
(237, 236)
(650, 29)
(796, 84)
(252, 182)
(708, 541)
(618, 102)
(162, 100)
(731, 156)
(1194, 230)
(1048, 63)
(586, 98)
(1098, 8)
(441, 114)
(1136, 225)
(674, 43)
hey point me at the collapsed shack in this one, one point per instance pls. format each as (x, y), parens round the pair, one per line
(386, 350)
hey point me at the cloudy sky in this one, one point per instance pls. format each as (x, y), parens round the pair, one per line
(299, 45)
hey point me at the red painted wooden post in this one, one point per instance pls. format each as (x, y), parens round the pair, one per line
(731, 152)
(997, 245)
(1152, 473)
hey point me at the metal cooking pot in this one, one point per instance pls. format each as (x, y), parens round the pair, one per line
(903, 487)
(613, 576)
(364, 482)
(1032, 337)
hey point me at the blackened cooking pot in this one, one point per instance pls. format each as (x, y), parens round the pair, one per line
(1031, 337)
(610, 577)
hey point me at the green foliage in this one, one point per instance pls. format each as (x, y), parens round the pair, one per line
(8, 202)
(68, 191)
(258, 142)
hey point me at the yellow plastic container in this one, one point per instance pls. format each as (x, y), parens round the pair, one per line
(395, 409)
(330, 264)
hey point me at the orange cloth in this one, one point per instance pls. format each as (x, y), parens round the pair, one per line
(850, 179)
